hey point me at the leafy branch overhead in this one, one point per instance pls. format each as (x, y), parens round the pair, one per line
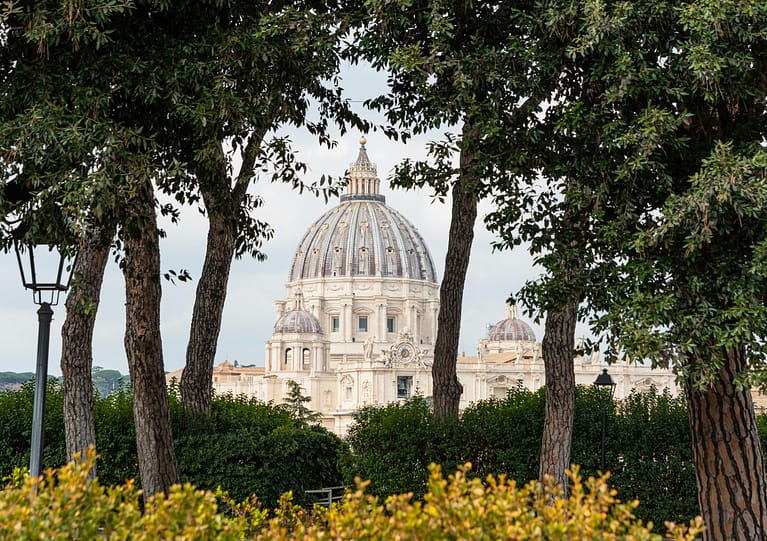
(154, 103)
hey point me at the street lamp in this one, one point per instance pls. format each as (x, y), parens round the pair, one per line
(604, 380)
(47, 272)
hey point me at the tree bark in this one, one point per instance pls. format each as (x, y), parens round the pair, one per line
(729, 461)
(77, 343)
(143, 345)
(557, 349)
(447, 388)
(222, 202)
(197, 378)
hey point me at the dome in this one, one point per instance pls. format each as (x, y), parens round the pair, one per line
(297, 321)
(362, 236)
(511, 328)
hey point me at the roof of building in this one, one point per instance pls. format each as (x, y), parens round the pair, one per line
(299, 322)
(362, 236)
(504, 357)
(511, 328)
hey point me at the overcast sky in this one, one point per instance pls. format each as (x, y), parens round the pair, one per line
(249, 314)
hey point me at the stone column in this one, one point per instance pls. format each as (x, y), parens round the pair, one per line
(347, 321)
(382, 322)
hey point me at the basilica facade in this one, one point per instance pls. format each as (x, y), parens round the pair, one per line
(359, 319)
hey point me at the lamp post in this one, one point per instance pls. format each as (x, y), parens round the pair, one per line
(604, 381)
(46, 281)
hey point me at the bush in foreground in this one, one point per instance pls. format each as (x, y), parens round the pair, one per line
(461, 507)
(65, 504)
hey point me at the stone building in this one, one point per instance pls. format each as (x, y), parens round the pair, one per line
(359, 319)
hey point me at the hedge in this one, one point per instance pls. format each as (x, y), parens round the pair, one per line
(248, 447)
(245, 446)
(648, 446)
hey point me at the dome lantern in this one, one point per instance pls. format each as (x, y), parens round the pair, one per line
(363, 179)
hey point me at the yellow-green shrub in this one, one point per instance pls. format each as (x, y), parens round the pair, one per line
(65, 504)
(461, 508)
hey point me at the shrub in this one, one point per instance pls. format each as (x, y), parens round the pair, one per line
(648, 446)
(115, 437)
(392, 446)
(464, 508)
(16, 426)
(504, 435)
(248, 447)
(651, 455)
(245, 446)
(66, 504)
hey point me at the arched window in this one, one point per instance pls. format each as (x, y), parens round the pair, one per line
(288, 356)
(306, 359)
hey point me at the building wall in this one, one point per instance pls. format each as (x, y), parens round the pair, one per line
(354, 382)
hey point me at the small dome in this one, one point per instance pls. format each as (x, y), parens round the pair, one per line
(298, 321)
(511, 328)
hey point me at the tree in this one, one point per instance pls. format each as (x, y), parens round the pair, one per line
(76, 343)
(555, 218)
(67, 139)
(143, 344)
(296, 401)
(467, 65)
(270, 58)
(679, 92)
(181, 81)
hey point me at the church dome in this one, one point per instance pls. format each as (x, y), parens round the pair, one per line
(299, 322)
(511, 328)
(362, 236)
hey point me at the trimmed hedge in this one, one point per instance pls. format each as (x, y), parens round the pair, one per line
(244, 446)
(265, 453)
(648, 446)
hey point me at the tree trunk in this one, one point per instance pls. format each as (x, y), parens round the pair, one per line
(557, 348)
(729, 463)
(222, 202)
(197, 377)
(77, 343)
(447, 388)
(143, 346)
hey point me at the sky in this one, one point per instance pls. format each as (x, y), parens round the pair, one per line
(249, 313)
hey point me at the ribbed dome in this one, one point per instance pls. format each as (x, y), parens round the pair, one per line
(297, 321)
(511, 328)
(362, 236)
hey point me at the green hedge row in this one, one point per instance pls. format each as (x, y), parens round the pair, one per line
(648, 447)
(248, 447)
(245, 446)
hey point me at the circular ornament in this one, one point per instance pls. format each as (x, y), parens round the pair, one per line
(405, 352)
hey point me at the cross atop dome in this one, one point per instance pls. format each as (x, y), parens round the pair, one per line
(363, 178)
